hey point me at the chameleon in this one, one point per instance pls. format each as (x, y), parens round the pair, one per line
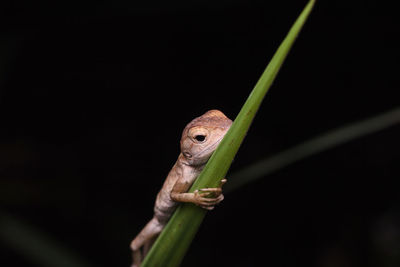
(199, 140)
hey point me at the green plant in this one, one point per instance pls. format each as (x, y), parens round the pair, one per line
(172, 244)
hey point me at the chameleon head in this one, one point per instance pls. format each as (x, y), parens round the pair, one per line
(202, 135)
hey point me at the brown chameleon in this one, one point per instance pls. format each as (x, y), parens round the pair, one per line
(199, 140)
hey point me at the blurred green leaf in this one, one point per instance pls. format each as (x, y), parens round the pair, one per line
(311, 147)
(36, 246)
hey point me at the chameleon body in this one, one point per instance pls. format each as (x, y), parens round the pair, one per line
(199, 140)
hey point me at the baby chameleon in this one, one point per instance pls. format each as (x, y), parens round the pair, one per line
(199, 140)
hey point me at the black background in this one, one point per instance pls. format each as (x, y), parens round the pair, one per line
(94, 96)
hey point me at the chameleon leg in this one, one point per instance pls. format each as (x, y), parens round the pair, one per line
(209, 197)
(148, 244)
(146, 236)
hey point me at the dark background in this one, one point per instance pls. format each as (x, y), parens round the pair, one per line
(94, 96)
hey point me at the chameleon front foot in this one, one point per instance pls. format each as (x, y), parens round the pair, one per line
(207, 198)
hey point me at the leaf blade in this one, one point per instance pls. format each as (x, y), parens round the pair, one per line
(174, 241)
(318, 144)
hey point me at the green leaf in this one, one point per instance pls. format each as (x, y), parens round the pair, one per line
(173, 242)
(36, 246)
(315, 145)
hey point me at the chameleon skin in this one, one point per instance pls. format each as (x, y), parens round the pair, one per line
(199, 140)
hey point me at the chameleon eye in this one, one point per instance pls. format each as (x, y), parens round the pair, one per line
(200, 138)
(198, 134)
